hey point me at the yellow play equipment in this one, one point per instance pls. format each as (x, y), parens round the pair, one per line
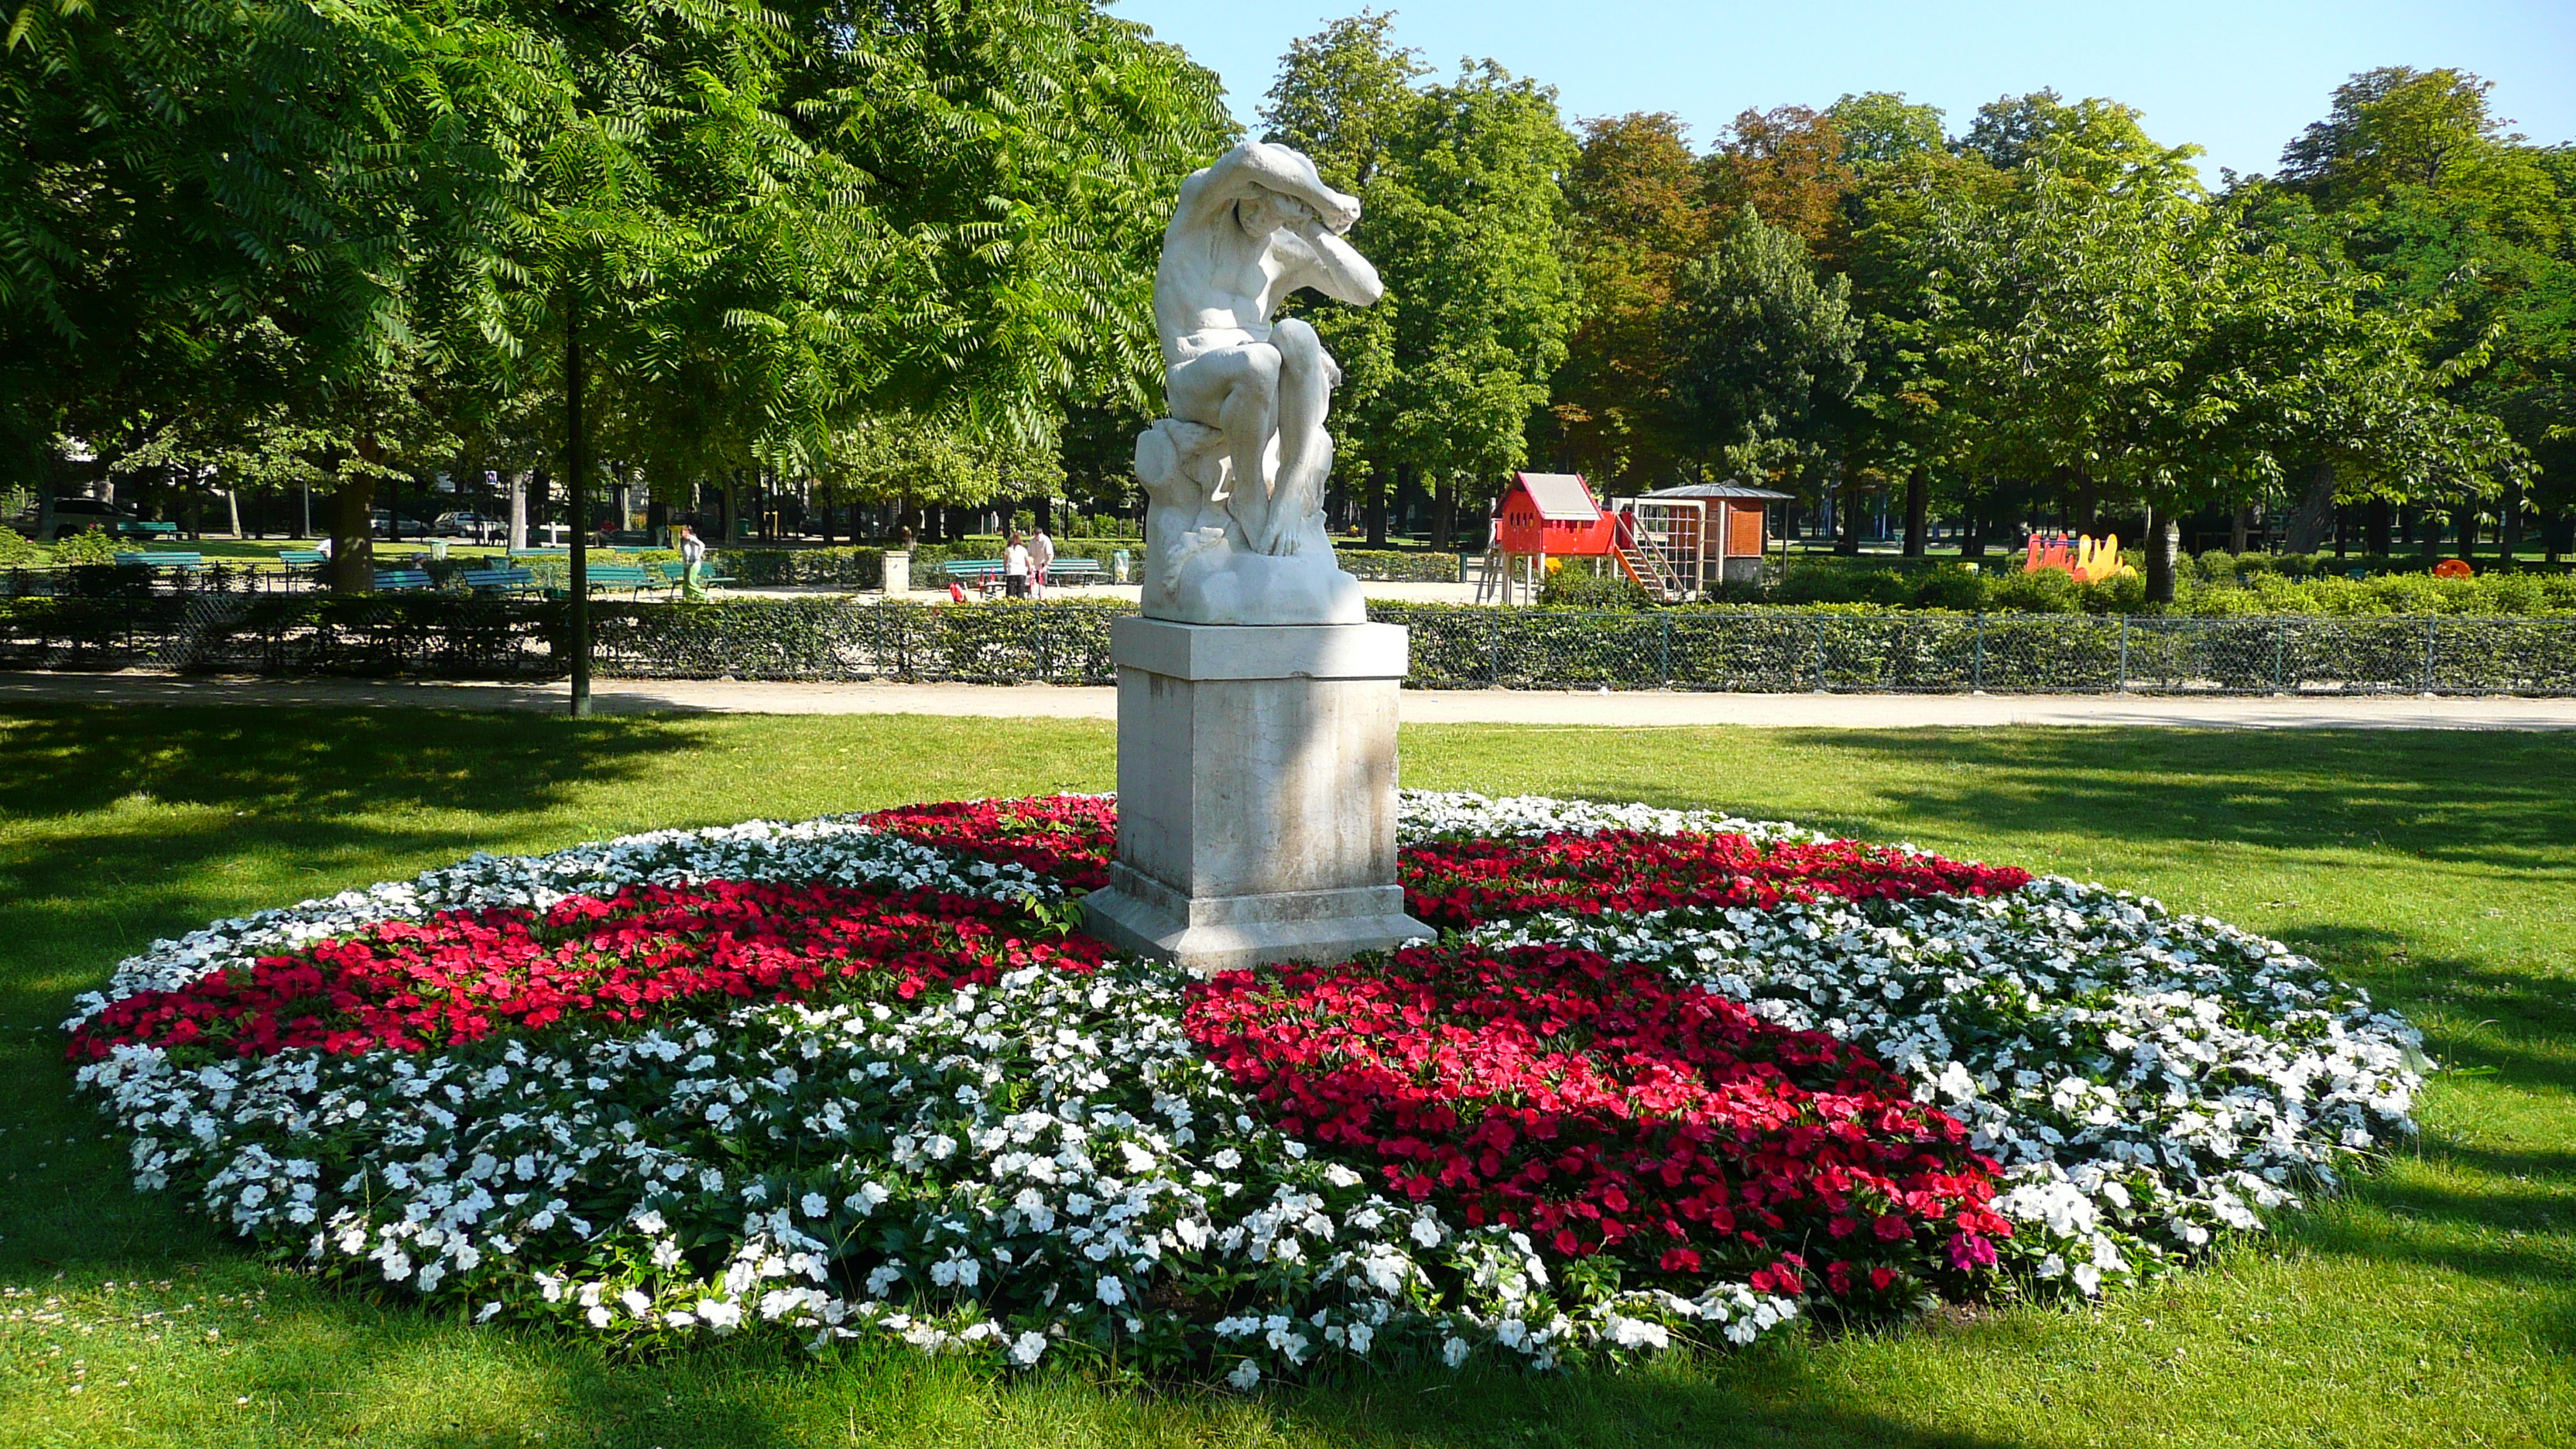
(2090, 560)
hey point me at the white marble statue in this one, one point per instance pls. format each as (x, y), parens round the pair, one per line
(1235, 534)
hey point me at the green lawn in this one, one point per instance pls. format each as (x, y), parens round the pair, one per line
(2435, 1306)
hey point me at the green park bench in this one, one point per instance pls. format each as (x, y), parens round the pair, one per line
(397, 581)
(1076, 571)
(180, 562)
(635, 578)
(498, 581)
(132, 528)
(300, 558)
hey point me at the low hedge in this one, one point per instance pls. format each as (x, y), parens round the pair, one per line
(862, 568)
(1849, 647)
(1401, 566)
(2282, 587)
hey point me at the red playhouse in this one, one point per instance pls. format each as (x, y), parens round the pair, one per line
(1539, 517)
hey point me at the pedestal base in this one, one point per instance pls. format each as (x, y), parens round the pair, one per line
(1256, 794)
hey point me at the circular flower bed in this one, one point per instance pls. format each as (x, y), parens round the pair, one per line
(1666, 1077)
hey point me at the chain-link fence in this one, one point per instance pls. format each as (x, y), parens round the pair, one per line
(1454, 647)
(1786, 650)
(289, 636)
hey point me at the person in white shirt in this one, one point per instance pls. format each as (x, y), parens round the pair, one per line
(1015, 567)
(693, 557)
(1041, 558)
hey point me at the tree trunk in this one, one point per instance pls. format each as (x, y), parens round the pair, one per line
(2164, 553)
(1444, 514)
(2509, 526)
(2315, 513)
(1918, 507)
(2376, 531)
(2239, 525)
(353, 541)
(1377, 506)
(1847, 520)
(518, 537)
(2088, 504)
(577, 505)
(2428, 532)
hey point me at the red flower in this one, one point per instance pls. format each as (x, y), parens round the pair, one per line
(648, 950)
(1067, 838)
(1463, 883)
(1600, 1108)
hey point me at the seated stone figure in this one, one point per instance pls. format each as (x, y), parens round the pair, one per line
(1236, 473)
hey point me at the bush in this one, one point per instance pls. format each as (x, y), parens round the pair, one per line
(1577, 587)
(1834, 647)
(89, 546)
(17, 550)
(1401, 566)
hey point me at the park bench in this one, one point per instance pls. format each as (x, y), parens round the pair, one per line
(498, 581)
(635, 578)
(185, 562)
(136, 529)
(988, 571)
(396, 581)
(298, 558)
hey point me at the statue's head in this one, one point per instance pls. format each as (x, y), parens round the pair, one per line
(1266, 211)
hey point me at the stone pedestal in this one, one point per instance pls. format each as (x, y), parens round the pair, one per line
(898, 572)
(1256, 793)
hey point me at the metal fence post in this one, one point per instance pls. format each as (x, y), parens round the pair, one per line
(1494, 649)
(2430, 621)
(2122, 687)
(1977, 658)
(1664, 654)
(1819, 621)
(1037, 640)
(2280, 646)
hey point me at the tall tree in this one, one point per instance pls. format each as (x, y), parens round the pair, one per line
(1345, 97)
(1637, 218)
(1769, 350)
(2093, 142)
(1787, 164)
(1463, 214)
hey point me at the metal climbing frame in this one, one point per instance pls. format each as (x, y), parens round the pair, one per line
(1669, 534)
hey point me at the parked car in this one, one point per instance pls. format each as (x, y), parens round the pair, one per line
(381, 522)
(476, 526)
(71, 515)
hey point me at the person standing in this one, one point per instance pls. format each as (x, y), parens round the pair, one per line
(1015, 567)
(1041, 558)
(693, 557)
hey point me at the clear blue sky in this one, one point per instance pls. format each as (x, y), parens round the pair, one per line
(2239, 78)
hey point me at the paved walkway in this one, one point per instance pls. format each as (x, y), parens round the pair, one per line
(1420, 706)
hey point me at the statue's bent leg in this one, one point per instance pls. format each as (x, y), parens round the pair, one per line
(1236, 390)
(1306, 377)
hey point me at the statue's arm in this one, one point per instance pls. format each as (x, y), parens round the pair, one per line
(1253, 167)
(1332, 266)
